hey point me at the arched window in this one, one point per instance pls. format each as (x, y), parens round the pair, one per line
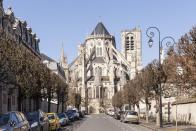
(129, 41)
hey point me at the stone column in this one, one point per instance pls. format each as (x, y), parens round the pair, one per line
(99, 92)
(95, 92)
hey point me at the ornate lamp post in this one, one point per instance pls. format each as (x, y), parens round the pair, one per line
(169, 41)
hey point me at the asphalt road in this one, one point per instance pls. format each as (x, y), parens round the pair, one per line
(102, 122)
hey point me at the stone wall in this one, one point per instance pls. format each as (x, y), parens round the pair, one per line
(186, 113)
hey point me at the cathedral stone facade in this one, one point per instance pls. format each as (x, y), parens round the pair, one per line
(108, 70)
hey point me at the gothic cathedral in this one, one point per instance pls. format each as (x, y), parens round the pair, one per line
(102, 70)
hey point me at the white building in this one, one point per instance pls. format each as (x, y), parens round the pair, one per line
(108, 70)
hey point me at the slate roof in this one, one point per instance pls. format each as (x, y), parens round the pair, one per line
(45, 57)
(100, 30)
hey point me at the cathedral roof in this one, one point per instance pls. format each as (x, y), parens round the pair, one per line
(100, 30)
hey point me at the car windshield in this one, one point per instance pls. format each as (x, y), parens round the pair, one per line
(68, 113)
(4, 119)
(71, 111)
(61, 115)
(32, 116)
(51, 116)
(132, 113)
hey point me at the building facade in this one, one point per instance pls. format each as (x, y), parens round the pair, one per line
(101, 69)
(59, 70)
(16, 31)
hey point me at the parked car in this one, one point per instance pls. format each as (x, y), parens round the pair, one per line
(38, 120)
(117, 114)
(110, 112)
(14, 121)
(54, 121)
(64, 120)
(130, 116)
(75, 114)
(81, 114)
(70, 116)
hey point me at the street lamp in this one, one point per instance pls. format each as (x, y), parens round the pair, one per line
(169, 41)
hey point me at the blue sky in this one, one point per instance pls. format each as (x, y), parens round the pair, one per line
(70, 21)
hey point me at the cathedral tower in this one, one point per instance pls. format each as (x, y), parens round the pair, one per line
(131, 49)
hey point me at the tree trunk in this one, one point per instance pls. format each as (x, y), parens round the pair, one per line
(147, 111)
(138, 108)
(134, 107)
(49, 99)
(169, 112)
(157, 119)
(157, 113)
(86, 99)
(57, 109)
(62, 104)
(129, 105)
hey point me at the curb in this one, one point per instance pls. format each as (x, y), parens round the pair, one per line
(149, 127)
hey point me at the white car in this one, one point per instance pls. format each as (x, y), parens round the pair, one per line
(130, 116)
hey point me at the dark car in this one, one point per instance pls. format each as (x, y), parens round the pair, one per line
(38, 120)
(70, 116)
(118, 114)
(74, 113)
(14, 121)
(64, 120)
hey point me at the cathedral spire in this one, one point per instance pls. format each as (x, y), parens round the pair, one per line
(62, 54)
(63, 58)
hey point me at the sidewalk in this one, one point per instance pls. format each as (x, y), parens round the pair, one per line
(167, 127)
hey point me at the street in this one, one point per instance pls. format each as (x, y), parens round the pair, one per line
(102, 122)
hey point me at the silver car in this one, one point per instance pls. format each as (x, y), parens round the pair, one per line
(14, 121)
(130, 116)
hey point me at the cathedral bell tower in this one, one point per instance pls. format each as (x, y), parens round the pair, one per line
(132, 49)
